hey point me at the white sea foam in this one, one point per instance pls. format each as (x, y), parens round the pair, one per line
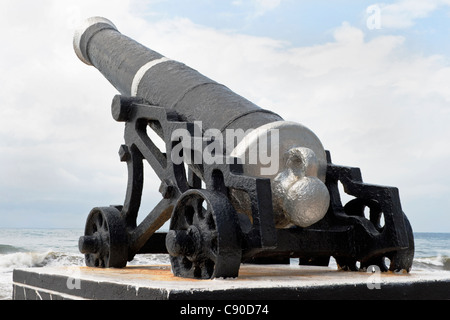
(18, 260)
(22, 260)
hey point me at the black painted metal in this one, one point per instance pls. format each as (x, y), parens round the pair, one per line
(204, 241)
(212, 240)
(105, 241)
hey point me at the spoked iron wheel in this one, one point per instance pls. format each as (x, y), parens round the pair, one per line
(104, 243)
(204, 237)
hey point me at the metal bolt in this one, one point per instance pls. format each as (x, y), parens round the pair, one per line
(89, 244)
(179, 243)
(124, 153)
(166, 190)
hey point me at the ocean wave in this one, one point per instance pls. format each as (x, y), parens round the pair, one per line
(432, 263)
(446, 264)
(5, 249)
(22, 260)
(37, 259)
(50, 258)
(150, 259)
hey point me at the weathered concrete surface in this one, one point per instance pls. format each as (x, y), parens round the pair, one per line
(255, 282)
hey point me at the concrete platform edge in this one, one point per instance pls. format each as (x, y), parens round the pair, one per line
(38, 284)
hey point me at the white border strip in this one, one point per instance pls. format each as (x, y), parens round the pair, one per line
(50, 292)
(141, 73)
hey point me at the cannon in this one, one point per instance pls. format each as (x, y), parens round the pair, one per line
(239, 184)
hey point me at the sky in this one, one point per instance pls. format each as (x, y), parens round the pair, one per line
(370, 79)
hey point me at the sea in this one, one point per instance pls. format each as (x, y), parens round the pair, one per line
(24, 248)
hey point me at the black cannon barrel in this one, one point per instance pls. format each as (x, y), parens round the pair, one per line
(135, 70)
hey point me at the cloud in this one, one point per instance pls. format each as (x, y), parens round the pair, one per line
(259, 7)
(263, 6)
(373, 104)
(403, 14)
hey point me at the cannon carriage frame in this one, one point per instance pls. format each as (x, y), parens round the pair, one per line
(209, 237)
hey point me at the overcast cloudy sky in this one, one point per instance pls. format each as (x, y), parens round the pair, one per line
(375, 91)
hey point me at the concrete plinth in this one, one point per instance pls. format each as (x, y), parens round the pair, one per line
(255, 282)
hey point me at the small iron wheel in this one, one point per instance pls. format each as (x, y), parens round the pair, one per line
(204, 237)
(400, 260)
(403, 259)
(104, 243)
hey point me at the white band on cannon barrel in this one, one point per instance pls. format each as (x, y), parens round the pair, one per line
(141, 73)
(86, 24)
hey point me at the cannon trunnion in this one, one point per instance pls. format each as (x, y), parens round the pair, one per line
(222, 215)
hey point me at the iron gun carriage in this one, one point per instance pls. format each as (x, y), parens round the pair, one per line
(227, 200)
